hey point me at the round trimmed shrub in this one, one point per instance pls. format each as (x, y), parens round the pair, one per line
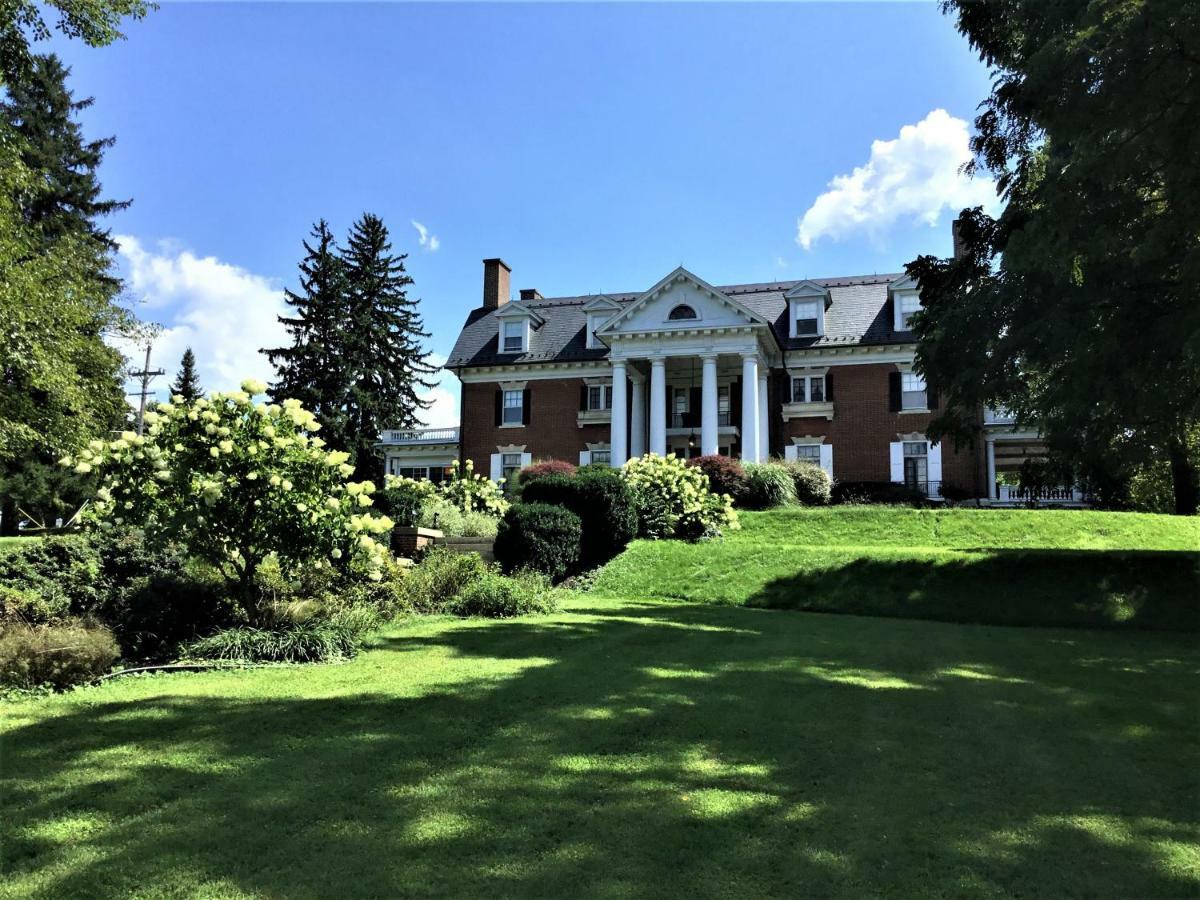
(604, 504)
(544, 468)
(768, 485)
(725, 475)
(813, 485)
(541, 537)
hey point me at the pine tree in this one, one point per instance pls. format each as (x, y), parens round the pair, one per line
(187, 383)
(315, 368)
(382, 336)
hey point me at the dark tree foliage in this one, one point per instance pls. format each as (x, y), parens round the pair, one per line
(1076, 308)
(187, 383)
(382, 338)
(315, 369)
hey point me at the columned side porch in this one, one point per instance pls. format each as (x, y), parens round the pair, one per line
(1006, 449)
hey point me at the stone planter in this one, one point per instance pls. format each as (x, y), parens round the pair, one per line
(412, 542)
(482, 546)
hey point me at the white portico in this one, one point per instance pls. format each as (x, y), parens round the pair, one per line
(702, 356)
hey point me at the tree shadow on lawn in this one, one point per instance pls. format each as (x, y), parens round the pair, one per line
(1143, 590)
(641, 750)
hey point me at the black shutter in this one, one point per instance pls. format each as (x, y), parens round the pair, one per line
(735, 402)
(608, 394)
(499, 408)
(829, 387)
(894, 391)
(525, 406)
(784, 386)
(931, 396)
(583, 397)
(695, 399)
(670, 405)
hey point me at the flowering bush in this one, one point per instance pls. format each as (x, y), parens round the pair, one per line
(725, 475)
(234, 482)
(471, 492)
(403, 499)
(673, 499)
(543, 468)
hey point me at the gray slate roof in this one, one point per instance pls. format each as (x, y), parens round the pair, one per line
(859, 314)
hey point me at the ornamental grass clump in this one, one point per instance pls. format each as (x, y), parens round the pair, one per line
(768, 485)
(235, 481)
(673, 499)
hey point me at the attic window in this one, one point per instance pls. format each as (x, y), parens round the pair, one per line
(807, 318)
(682, 311)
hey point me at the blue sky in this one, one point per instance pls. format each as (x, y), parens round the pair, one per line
(593, 147)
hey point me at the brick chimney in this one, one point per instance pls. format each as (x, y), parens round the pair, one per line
(496, 290)
(958, 244)
(530, 294)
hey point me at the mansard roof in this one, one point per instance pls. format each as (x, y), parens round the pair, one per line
(858, 313)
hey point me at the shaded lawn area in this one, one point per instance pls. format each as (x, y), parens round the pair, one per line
(1013, 567)
(628, 749)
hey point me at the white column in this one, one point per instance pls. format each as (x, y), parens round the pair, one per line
(708, 406)
(620, 442)
(658, 406)
(764, 434)
(991, 470)
(750, 408)
(637, 413)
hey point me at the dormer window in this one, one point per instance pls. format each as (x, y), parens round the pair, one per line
(807, 302)
(907, 304)
(807, 318)
(514, 336)
(681, 312)
(593, 322)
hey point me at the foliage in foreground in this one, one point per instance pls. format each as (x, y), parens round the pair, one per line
(602, 500)
(768, 485)
(673, 499)
(463, 584)
(314, 640)
(541, 537)
(59, 656)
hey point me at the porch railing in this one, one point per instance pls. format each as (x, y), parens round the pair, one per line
(422, 436)
(1012, 493)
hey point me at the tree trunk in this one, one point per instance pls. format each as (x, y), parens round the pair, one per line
(1183, 480)
(9, 517)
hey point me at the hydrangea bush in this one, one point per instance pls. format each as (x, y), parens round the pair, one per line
(236, 481)
(474, 493)
(673, 499)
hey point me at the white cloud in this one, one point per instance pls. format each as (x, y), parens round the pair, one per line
(429, 241)
(224, 313)
(914, 177)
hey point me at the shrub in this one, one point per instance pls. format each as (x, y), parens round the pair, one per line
(471, 492)
(813, 485)
(673, 499)
(604, 504)
(443, 515)
(543, 468)
(234, 482)
(60, 656)
(481, 525)
(768, 485)
(440, 577)
(404, 499)
(877, 492)
(725, 475)
(541, 537)
(315, 640)
(498, 596)
(25, 606)
(63, 572)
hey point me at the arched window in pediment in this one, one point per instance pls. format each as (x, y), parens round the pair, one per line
(682, 311)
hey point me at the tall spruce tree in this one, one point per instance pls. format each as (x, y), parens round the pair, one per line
(187, 383)
(315, 369)
(382, 335)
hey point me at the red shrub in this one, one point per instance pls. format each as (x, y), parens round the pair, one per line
(544, 468)
(725, 475)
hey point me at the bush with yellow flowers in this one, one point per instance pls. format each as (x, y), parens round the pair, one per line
(673, 499)
(235, 481)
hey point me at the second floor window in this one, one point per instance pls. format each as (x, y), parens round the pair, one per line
(513, 408)
(723, 407)
(912, 391)
(599, 397)
(514, 337)
(808, 389)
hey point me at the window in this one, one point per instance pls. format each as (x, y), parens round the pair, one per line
(417, 472)
(599, 396)
(806, 318)
(514, 413)
(680, 408)
(510, 465)
(682, 311)
(809, 453)
(723, 407)
(593, 322)
(602, 457)
(912, 391)
(514, 337)
(808, 389)
(916, 463)
(909, 304)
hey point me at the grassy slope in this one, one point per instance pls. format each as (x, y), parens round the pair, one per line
(1063, 567)
(627, 749)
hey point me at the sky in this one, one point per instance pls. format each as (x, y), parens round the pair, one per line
(592, 147)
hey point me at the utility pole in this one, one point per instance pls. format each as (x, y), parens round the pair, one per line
(146, 374)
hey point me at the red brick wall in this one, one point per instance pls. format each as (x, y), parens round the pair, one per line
(863, 427)
(553, 431)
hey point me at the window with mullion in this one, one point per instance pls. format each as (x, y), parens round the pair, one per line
(808, 389)
(912, 391)
(513, 403)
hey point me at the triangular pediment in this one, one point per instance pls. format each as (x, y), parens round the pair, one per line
(601, 304)
(903, 283)
(681, 300)
(518, 310)
(809, 290)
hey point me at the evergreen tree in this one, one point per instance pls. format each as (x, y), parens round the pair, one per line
(382, 337)
(187, 384)
(315, 368)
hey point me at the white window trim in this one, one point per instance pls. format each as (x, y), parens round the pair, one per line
(511, 388)
(924, 407)
(524, 323)
(793, 310)
(897, 302)
(824, 453)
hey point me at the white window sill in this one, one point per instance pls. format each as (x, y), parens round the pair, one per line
(513, 425)
(915, 412)
(807, 410)
(593, 417)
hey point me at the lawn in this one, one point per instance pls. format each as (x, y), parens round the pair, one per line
(624, 748)
(1019, 567)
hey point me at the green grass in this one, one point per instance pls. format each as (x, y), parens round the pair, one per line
(1019, 567)
(621, 748)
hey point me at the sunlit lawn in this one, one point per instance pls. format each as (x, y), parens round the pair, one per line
(628, 749)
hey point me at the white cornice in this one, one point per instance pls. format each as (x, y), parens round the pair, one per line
(532, 372)
(853, 355)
